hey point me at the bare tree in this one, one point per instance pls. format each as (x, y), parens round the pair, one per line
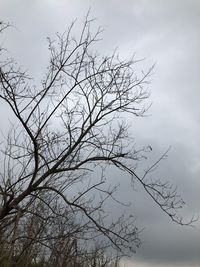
(69, 129)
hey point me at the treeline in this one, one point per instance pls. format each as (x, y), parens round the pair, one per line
(53, 237)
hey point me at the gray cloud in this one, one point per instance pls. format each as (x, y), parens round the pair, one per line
(165, 32)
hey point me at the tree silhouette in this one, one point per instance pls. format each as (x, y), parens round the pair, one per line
(68, 131)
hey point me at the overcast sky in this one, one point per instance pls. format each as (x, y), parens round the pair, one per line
(163, 32)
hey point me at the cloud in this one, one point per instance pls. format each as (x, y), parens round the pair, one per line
(165, 32)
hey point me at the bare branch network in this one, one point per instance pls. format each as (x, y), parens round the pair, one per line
(71, 125)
